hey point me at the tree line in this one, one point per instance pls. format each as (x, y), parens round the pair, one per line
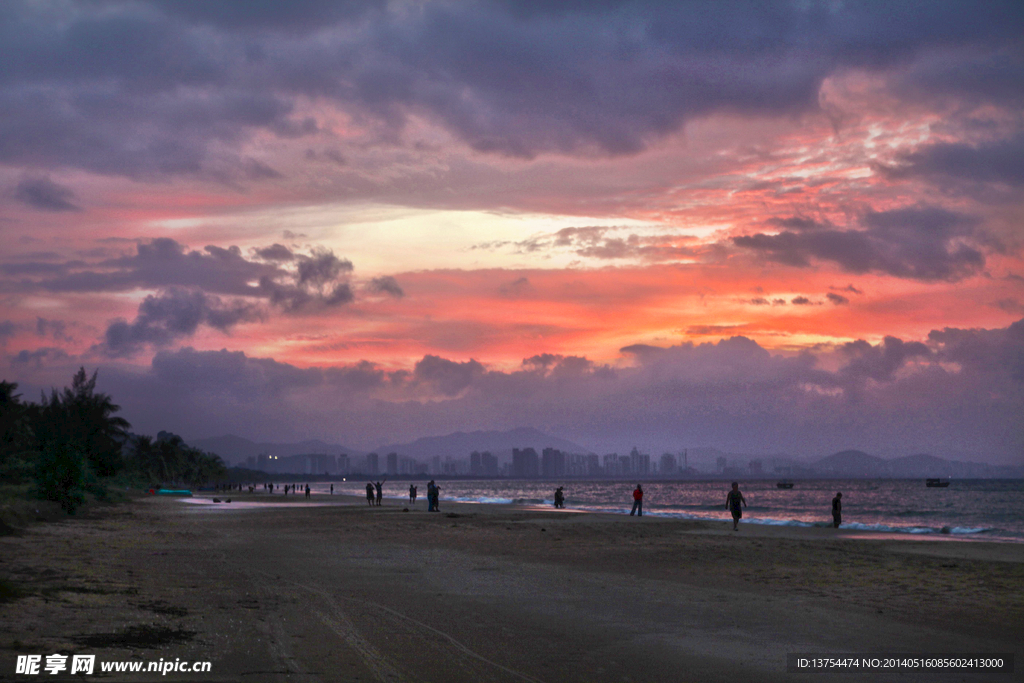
(73, 442)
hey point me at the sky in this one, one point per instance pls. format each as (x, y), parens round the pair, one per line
(789, 227)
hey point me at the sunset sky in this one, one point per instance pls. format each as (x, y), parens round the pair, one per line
(762, 227)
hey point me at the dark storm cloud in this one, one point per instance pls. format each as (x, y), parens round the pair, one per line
(519, 287)
(275, 252)
(386, 285)
(291, 280)
(999, 161)
(57, 329)
(837, 299)
(321, 268)
(446, 377)
(39, 357)
(143, 89)
(594, 242)
(320, 281)
(363, 376)
(799, 223)
(7, 329)
(271, 15)
(988, 351)
(922, 243)
(45, 195)
(231, 373)
(164, 262)
(172, 315)
(961, 393)
(880, 362)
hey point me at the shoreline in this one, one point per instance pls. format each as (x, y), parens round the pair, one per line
(343, 591)
(876, 532)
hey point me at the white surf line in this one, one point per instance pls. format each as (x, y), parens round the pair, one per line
(459, 646)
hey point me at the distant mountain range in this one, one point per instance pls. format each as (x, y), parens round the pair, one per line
(854, 464)
(846, 464)
(234, 449)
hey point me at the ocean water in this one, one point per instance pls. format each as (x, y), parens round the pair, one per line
(982, 509)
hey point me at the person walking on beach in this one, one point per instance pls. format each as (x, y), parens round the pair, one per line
(837, 509)
(332, 489)
(380, 492)
(412, 494)
(638, 502)
(369, 493)
(437, 498)
(430, 495)
(732, 501)
(307, 490)
(559, 498)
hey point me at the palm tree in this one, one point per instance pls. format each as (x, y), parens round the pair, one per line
(80, 417)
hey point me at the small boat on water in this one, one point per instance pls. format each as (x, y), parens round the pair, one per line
(784, 484)
(936, 483)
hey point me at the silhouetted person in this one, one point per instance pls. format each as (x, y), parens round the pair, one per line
(732, 501)
(332, 489)
(380, 491)
(837, 510)
(437, 498)
(412, 494)
(307, 490)
(638, 502)
(430, 496)
(271, 488)
(559, 498)
(369, 493)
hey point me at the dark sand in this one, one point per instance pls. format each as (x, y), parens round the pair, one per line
(492, 593)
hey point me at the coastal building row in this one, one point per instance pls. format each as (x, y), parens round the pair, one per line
(526, 463)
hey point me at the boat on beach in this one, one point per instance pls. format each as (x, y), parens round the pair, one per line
(938, 483)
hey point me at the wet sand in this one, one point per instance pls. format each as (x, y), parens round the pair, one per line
(345, 592)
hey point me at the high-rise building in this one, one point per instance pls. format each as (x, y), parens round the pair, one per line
(525, 463)
(489, 464)
(667, 465)
(553, 463)
(392, 463)
(476, 467)
(372, 463)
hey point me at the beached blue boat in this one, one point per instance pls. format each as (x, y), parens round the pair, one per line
(174, 492)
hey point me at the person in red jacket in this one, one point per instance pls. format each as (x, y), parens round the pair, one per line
(638, 502)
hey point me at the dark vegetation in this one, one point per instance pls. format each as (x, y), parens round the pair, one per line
(72, 444)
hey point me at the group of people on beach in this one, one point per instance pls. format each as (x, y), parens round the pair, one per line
(375, 488)
(734, 500)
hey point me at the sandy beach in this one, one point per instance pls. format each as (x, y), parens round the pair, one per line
(344, 592)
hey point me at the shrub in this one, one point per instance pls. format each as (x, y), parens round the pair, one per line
(60, 475)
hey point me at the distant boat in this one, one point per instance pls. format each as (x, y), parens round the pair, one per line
(784, 484)
(936, 483)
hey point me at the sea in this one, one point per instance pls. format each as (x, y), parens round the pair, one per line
(970, 509)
